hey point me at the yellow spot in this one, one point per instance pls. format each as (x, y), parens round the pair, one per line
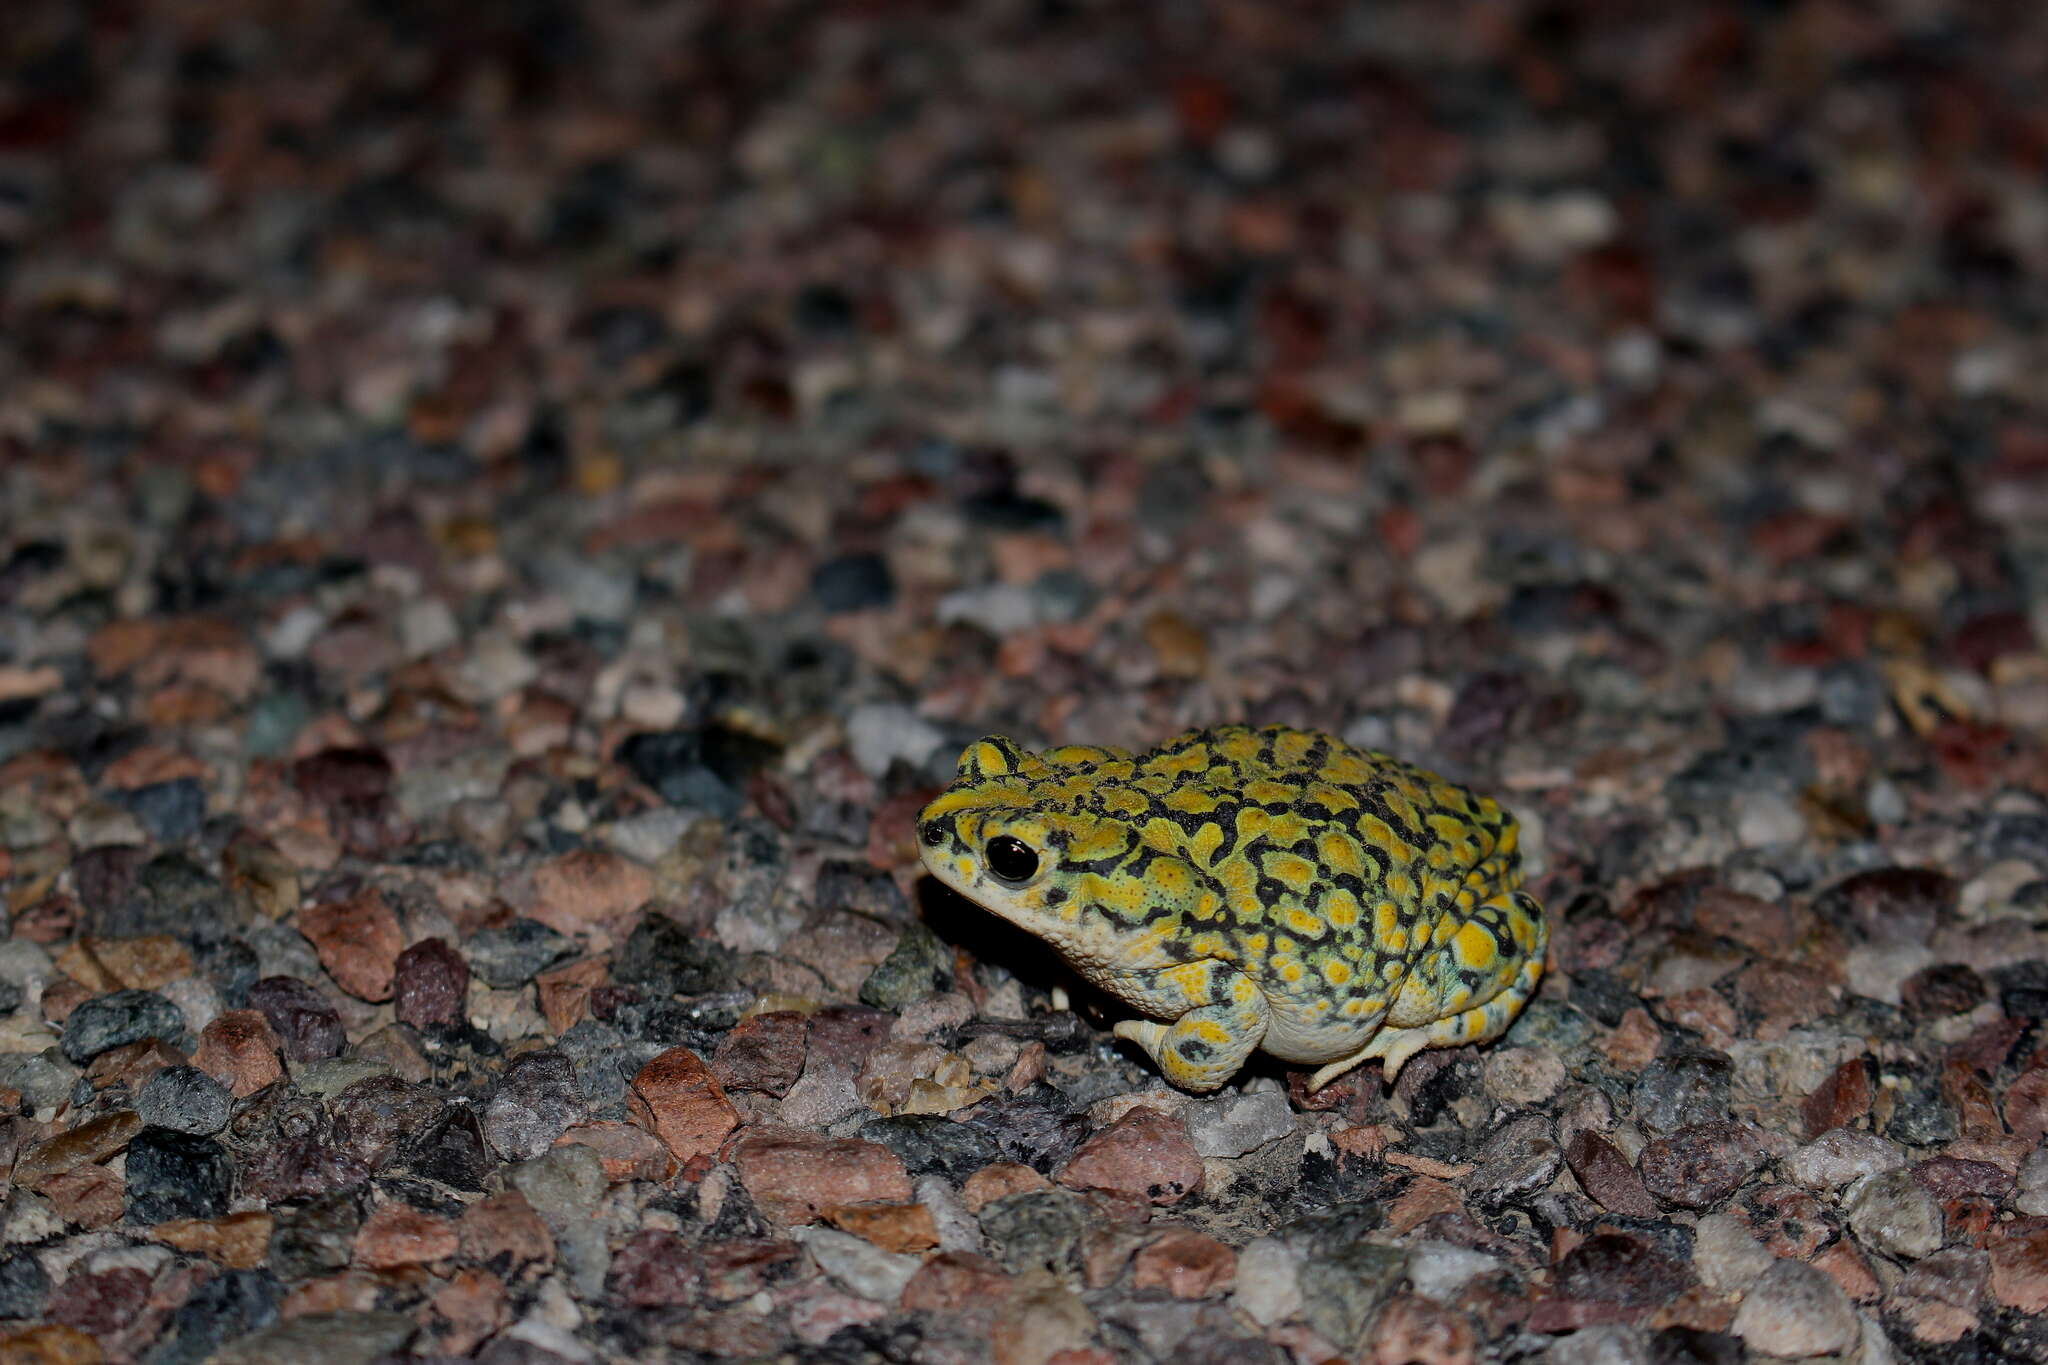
(1255, 943)
(1330, 798)
(1445, 927)
(1287, 830)
(1390, 969)
(1290, 748)
(1191, 980)
(1290, 971)
(1476, 948)
(1242, 991)
(1347, 769)
(1265, 791)
(1341, 909)
(1336, 972)
(985, 758)
(1466, 900)
(1123, 801)
(1302, 922)
(1385, 920)
(1401, 887)
(1190, 760)
(1242, 747)
(1161, 836)
(1100, 839)
(1341, 854)
(1373, 1005)
(1210, 1032)
(1395, 942)
(1475, 1023)
(1205, 842)
(1353, 1007)
(1206, 905)
(1251, 823)
(1191, 800)
(1205, 945)
(1296, 874)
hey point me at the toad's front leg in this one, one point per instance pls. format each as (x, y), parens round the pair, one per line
(1219, 1017)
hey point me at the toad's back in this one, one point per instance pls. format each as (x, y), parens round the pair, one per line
(1269, 887)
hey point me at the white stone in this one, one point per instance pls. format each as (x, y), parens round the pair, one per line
(1726, 1256)
(879, 733)
(1268, 1281)
(859, 1267)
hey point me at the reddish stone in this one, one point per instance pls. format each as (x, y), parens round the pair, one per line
(399, 1234)
(1839, 1100)
(430, 984)
(89, 1196)
(2019, 1266)
(101, 1303)
(892, 1227)
(568, 993)
(1186, 1264)
(763, 1052)
(1412, 1330)
(1790, 1221)
(588, 886)
(676, 1098)
(503, 1233)
(1004, 1178)
(953, 1281)
(89, 1143)
(358, 940)
(1606, 1175)
(1144, 1155)
(794, 1177)
(2026, 1105)
(474, 1306)
(239, 1049)
(625, 1151)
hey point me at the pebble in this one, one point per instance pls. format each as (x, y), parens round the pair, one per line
(664, 958)
(24, 1285)
(340, 1338)
(399, 1235)
(678, 1099)
(184, 1098)
(1144, 1155)
(117, 1018)
(1791, 1309)
(1184, 1263)
(931, 1144)
(880, 735)
(1701, 1165)
(239, 1049)
(857, 1265)
(1726, 1255)
(1893, 1213)
(2019, 1267)
(1520, 1158)
(1606, 1175)
(588, 886)
(763, 1052)
(1238, 1124)
(1841, 1156)
(430, 984)
(854, 582)
(1683, 1087)
(536, 1101)
(513, 954)
(308, 1028)
(793, 1176)
(176, 1175)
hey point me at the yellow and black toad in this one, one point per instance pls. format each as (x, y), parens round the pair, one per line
(1267, 888)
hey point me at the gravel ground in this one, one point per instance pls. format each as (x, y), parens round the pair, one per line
(507, 511)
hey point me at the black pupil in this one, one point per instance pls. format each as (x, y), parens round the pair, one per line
(935, 834)
(1011, 859)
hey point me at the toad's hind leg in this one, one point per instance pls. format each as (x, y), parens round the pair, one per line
(1466, 989)
(1223, 1017)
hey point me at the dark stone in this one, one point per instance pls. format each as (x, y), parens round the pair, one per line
(1888, 904)
(674, 764)
(824, 310)
(314, 1238)
(536, 1102)
(451, 1150)
(172, 812)
(184, 1098)
(10, 993)
(1036, 1230)
(1603, 996)
(230, 965)
(1683, 1087)
(1691, 1346)
(372, 1118)
(603, 1063)
(1345, 1278)
(1613, 1267)
(176, 1175)
(430, 984)
(2023, 989)
(663, 958)
(1521, 1158)
(304, 1022)
(1700, 1165)
(861, 888)
(232, 1304)
(1943, 989)
(119, 1017)
(515, 953)
(854, 582)
(24, 1286)
(1033, 1127)
(914, 969)
(933, 1144)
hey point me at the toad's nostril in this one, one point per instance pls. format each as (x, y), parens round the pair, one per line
(934, 833)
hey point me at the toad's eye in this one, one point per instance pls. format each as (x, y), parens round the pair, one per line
(1011, 859)
(934, 833)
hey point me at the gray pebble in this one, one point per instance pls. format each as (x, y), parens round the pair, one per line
(184, 1098)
